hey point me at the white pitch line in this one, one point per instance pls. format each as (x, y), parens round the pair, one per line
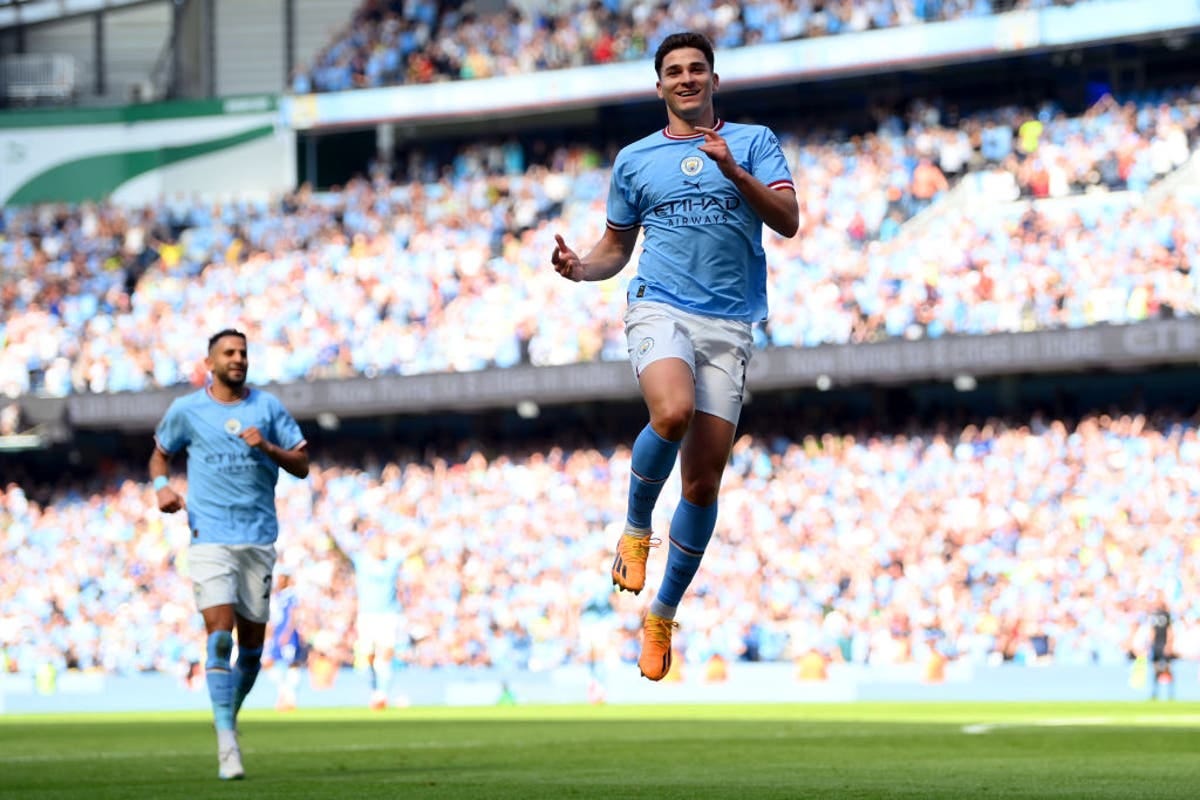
(988, 727)
(1168, 720)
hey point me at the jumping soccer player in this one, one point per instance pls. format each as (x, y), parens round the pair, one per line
(701, 190)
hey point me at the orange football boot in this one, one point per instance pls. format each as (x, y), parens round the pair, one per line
(629, 567)
(655, 661)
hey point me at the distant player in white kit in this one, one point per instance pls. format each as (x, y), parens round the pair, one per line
(700, 189)
(236, 439)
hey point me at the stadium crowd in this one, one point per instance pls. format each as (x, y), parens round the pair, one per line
(1024, 541)
(445, 268)
(389, 42)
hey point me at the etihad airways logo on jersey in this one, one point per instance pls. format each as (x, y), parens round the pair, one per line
(703, 210)
(228, 463)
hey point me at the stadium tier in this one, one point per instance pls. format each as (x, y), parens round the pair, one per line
(1028, 541)
(389, 43)
(449, 273)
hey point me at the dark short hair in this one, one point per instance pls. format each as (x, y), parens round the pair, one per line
(221, 334)
(678, 41)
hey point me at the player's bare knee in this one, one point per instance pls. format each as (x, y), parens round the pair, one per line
(702, 490)
(218, 618)
(671, 420)
(250, 633)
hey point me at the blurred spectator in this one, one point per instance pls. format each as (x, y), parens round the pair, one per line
(10, 419)
(927, 183)
(1025, 542)
(387, 42)
(99, 298)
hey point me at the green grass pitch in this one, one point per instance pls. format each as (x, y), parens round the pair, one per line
(996, 750)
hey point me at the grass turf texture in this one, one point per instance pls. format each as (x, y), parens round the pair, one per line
(1124, 751)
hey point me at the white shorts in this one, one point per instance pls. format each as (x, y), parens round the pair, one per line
(378, 631)
(717, 351)
(237, 575)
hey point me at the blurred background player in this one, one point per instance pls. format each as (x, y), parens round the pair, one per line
(284, 652)
(701, 189)
(1162, 648)
(236, 438)
(376, 579)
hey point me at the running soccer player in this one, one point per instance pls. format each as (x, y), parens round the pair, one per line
(700, 189)
(236, 438)
(283, 653)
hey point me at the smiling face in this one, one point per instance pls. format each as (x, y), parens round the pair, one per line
(686, 83)
(227, 360)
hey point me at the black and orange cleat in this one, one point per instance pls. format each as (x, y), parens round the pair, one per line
(629, 566)
(655, 661)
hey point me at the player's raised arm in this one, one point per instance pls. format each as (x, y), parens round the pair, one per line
(777, 207)
(606, 259)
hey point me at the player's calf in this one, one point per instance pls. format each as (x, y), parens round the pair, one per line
(245, 673)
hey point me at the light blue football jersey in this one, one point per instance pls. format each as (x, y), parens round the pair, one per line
(702, 251)
(231, 486)
(375, 581)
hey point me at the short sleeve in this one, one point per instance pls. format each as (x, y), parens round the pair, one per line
(173, 432)
(286, 431)
(621, 212)
(769, 164)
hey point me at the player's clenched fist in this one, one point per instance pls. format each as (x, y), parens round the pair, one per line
(253, 437)
(168, 499)
(566, 262)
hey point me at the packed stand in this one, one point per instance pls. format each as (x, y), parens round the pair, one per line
(1027, 541)
(447, 269)
(389, 42)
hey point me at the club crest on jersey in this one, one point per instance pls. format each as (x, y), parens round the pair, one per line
(691, 165)
(233, 426)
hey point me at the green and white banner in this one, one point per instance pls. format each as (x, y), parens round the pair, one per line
(136, 154)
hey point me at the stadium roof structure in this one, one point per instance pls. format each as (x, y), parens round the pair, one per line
(31, 12)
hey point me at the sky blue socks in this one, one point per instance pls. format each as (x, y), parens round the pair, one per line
(220, 678)
(245, 672)
(691, 528)
(653, 459)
